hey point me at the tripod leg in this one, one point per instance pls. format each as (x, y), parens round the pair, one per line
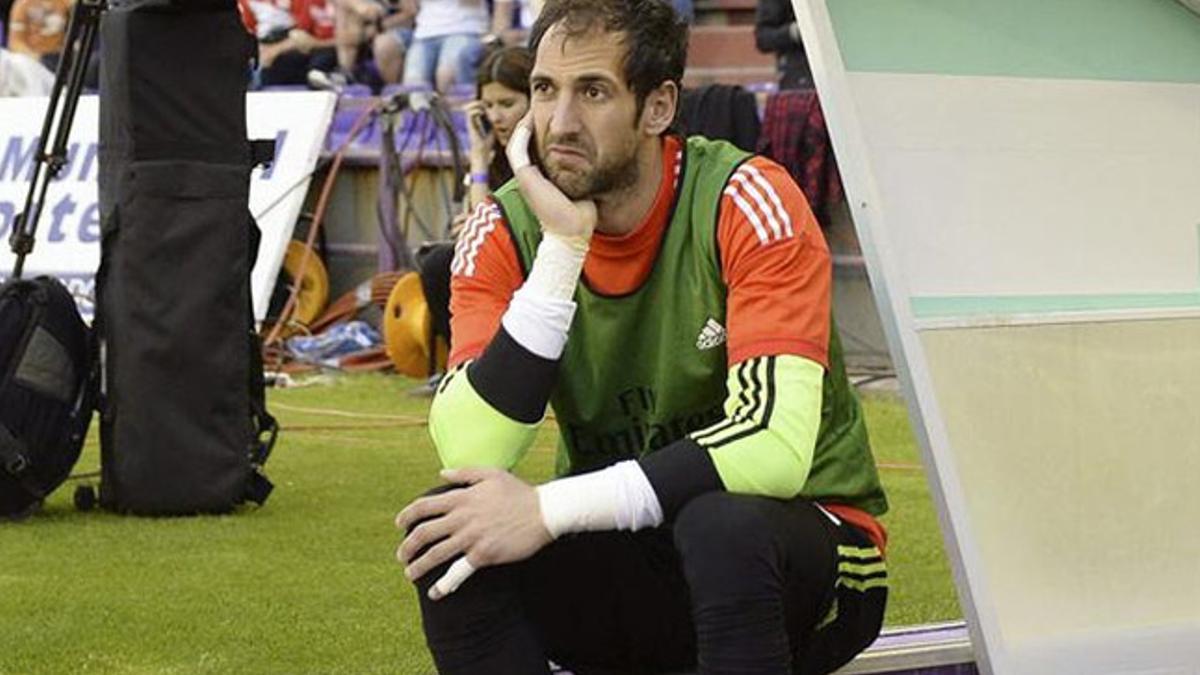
(64, 100)
(81, 52)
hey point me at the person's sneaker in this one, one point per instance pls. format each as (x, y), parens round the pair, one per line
(332, 81)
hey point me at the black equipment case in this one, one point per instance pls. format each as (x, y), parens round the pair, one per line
(47, 356)
(46, 390)
(184, 428)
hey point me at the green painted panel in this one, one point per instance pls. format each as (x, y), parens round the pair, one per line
(938, 307)
(1128, 40)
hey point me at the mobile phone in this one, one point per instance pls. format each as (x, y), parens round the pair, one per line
(482, 124)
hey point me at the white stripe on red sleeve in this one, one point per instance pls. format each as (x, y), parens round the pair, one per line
(487, 217)
(751, 216)
(769, 189)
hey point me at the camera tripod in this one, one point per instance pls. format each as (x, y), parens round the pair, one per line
(51, 154)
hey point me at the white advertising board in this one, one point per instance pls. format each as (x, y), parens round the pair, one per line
(68, 236)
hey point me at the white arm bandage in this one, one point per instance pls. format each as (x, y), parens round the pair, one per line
(619, 497)
(540, 313)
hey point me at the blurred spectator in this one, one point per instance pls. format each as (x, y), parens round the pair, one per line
(502, 88)
(512, 19)
(393, 41)
(502, 99)
(38, 28)
(356, 23)
(447, 43)
(383, 27)
(22, 75)
(776, 32)
(294, 37)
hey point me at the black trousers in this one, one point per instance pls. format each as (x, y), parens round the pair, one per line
(291, 67)
(736, 584)
(434, 262)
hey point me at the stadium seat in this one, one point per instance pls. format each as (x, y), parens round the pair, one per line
(726, 55)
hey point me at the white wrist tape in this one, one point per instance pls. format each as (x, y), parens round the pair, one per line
(538, 323)
(557, 266)
(539, 316)
(617, 498)
(518, 147)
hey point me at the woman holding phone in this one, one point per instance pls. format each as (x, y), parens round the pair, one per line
(502, 99)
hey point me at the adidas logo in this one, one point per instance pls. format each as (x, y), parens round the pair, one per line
(712, 335)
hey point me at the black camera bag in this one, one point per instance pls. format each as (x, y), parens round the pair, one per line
(47, 390)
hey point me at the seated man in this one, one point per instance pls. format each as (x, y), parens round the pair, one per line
(671, 298)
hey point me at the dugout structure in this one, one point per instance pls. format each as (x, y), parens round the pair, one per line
(1023, 177)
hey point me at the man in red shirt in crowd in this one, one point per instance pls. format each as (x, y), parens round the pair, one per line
(294, 37)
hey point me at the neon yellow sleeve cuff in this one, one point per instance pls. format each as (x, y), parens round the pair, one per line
(468, 432)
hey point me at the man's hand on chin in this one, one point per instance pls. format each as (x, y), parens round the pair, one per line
(491, 518)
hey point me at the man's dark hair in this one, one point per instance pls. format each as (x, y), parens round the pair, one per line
(655, 37)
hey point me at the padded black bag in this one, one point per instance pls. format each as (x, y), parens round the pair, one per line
(47, 390)
(183, 427)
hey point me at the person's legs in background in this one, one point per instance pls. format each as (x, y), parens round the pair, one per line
(355, 26)
(348, 35)
(458, 61)
(421, 61)
(389, 49)
(433, 263)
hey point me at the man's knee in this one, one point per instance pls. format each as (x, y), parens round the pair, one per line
(719, 526)
(485, 581)
(433, 492)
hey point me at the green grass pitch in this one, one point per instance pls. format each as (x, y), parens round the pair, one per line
(309, 584)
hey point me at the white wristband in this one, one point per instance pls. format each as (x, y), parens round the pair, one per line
(539, 324)
(617, 498)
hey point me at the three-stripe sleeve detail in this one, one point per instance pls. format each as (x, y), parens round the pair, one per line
(760, 204)
(756, 403)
